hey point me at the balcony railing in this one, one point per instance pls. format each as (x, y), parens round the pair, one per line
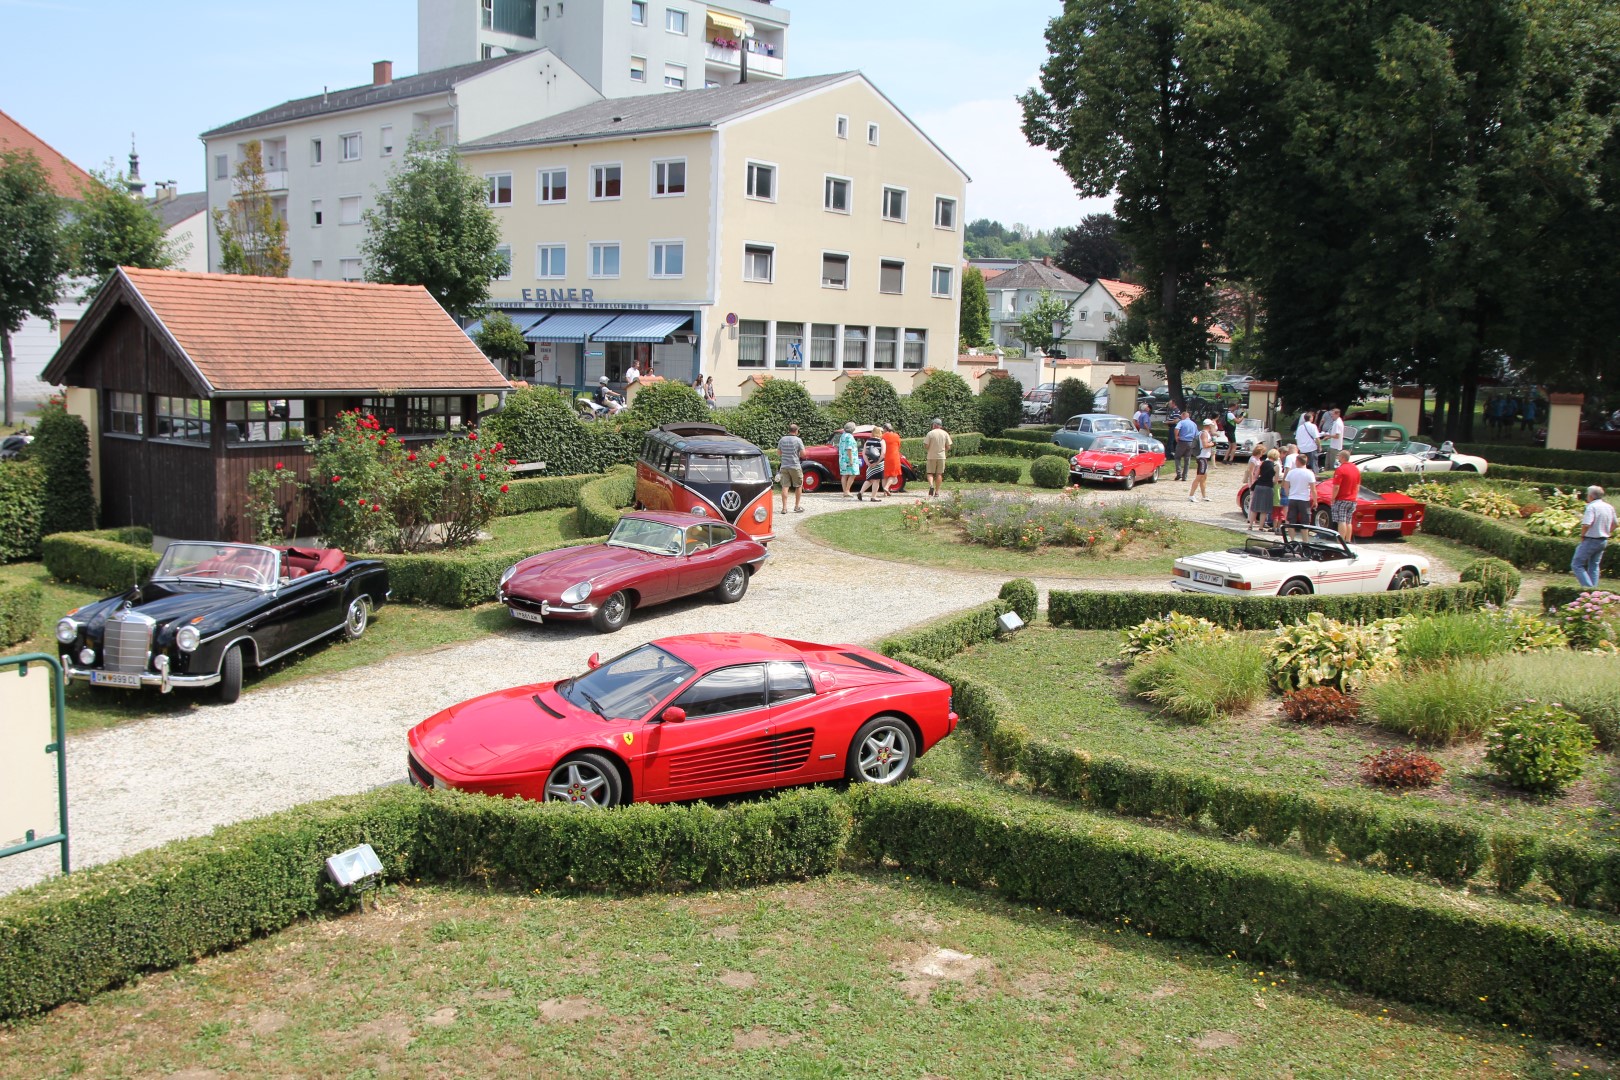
(758, 63)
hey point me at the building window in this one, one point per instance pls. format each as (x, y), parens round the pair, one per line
(125, 413)
(498, 187)
(385, 140)
(761, 181)
(1084, 315)
(314, 151)
(885, 347)
(605, 181)
(758, 261)
(823, 345)
(487, 17)
(638, 12)
(835, 195)
(276, 420)
(551, 185)
(872, 134)
(669, 177)
(668, 258)
(604, 260)
(222, 167)
(349, 210)
(751, 343)
(841, 127)
(349, 270)
(942, 281)
(834, 270)
(894, 204)
(545, 12)
(504, 254)
(891, 276)
(182, 419)
(854, 347)
(351, 146)
(638, 69)
(789, 334)
(675, 76)
(315, 266)
(675, 21)
(944, 213)
(916, 350)
(415, 415)
(550, 260)
(317, 215)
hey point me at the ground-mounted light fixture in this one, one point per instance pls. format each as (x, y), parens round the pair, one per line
(357, 869)
(1008, 622)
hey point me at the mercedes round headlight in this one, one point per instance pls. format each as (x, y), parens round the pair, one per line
(67, 631)
(87, 656)
(576, 594)
(186, 639)
(700, 511)
(506, 575)
(760, 513)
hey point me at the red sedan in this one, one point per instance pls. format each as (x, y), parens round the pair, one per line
(1117, 459)
(690, 717)
(821, 465)
(652, 556)
(1389, 513)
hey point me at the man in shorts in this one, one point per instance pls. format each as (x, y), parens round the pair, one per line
(791, 449)
(1300, 484)
(936, 443)
(1346, 486)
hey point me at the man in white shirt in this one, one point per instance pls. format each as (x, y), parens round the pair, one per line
(1597, 526)
(1308, 436)
(1301, 485)
(631, 374)
(1336, 433)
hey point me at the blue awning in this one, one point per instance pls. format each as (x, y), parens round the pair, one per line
(570, 327)
(642, 326)
(472, 328)
(525, 323)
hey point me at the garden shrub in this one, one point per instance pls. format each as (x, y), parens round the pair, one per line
(982, 472)
(1153, 636)
(1539, 748)
(1022, 595)
(1591, 619)
(22, 605)
(1395, 768)
(1050, 471)
(668, 403)
(1541, 457)
(543, 493)
(1443, 704)
(22, 509)
(1024, 523)
(1071, 398)
(1020, 448)
(1449, 851)
(1514, 857)
(1118, 610)
(1200, 682)
(1499, 579)
(1454, 635)
(1577, 871)
(765, 416)
(947, 636)
(1319, 706)
(1586, 684)
(1563, 477)
(1509, 541)
(943, 395)
(1528, 633)
(1042, 434)
(112, 559)
(1554, 595)
(61, 451)
(538, 423)
(1319, 651)
(1001, 403)
(454, 579)
(867, 399)
(602, 500)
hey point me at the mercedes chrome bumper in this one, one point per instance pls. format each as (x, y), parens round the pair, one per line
(161, 679)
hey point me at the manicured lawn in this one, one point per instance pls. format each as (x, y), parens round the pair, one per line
(1081, 703)
(855, 974)
(877, 532)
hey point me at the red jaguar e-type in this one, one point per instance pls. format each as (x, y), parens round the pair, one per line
(1387, 513)
(1120, 459)
(690, 717)
(650, 557)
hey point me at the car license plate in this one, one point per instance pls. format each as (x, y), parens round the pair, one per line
(1391, 526)
(114, 678)
(526, 616)
(1208, 579)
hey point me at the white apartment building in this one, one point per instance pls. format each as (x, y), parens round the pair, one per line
(620, 47)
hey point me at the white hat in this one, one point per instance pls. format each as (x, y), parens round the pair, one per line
(603, 379)
(1209, 423)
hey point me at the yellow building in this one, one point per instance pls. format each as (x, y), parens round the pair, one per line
(802, 229)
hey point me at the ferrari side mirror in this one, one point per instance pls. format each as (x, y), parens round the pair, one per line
(673, 715)
(594, 661)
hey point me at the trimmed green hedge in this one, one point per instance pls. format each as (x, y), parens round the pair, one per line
(1536, 966)
(1020, 448)
(1559, 595)
(1041, 434)
(22, 509)
(22, 605)
(1118, 610)
(1565, 478)
(982, 472)
(543, 493)
(1539, 457)
(963, 444)
(1522, 549)
(1049, 471)
(110, 559)
(1400, 481)
(602, 500)
(455, 579)
(946, 636)
(74, 936)
(1022, 595)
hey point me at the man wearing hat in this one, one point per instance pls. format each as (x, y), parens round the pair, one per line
(1206, 454)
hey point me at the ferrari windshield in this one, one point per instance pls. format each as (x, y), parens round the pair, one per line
(230, 564)
(643, 535)
(628, 686)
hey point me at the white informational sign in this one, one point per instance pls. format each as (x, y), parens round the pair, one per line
(27, 773)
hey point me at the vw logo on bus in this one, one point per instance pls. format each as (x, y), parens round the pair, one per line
(731, 502)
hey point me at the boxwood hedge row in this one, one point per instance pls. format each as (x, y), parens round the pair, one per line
(1020, 447)
(22, 605)
(603, 500)
(1565, 478)
(1522, 549)
(22, 509)
(544, 493)
(1553, 596)
(1118, 610)
(1540, 457)
(982, 472)
(110, 559)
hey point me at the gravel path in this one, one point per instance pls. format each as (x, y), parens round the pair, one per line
(163, 778)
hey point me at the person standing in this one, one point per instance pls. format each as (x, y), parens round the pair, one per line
(697, 384)
(1143, 418)
(891, 458)
(708, 391)
(849, 458)
(791, 449)
(1335, 432)
(1290, 457)
(632, 375)
(1229, 423)
(1597, 527)
(1308, 436)
(936, 443)
(1262, 495)
(1206, 454)
(1346, 486)
(1186, 435)
(872, 454)
(1301, 485)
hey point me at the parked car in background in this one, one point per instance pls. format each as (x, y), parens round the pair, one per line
(1036, 407)
(690, 717)
(1375, 437)
(1252, 429)
(212, 608)
(13, 445)
(1421, 457)
(1220, 393)
(1118, 459)
(821, 465)
(1301, 560)
(1389, 513)
(1081, 431)
(648, 559)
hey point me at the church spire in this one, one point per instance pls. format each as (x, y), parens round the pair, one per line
(133, 182)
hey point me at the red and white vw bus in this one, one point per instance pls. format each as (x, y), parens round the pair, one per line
(705, 470)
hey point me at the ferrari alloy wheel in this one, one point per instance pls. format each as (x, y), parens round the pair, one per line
(585, 780)
(1405, 578)
(1295, 587)
(230, 675)
(1130, 481)
(356, 619)
(613, 614)
(812, 481)
(1324, 518)
(732, 586)
(881, 752)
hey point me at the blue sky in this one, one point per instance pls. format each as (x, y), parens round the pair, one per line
(84, 74)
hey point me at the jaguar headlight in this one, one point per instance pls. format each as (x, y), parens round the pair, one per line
(506, 575)
(760, 513)
(186, 639)
(67, 631)
(577, 594)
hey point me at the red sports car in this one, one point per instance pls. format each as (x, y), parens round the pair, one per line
(1389, 513)
(651, 556)
(1118, 459)
(821, 465)
(690, 717)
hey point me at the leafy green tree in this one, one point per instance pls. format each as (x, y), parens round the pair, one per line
(868, 399)
(669, 403)
(499, 338)
(433, 227)
(113, 228)
(1093, 249)
(1001, 404)
(1035, 324)
(61, 449)
(975, 309)
(945, 396)
(252, 235)
(1071, 398)
(33, 251)
(765, 416)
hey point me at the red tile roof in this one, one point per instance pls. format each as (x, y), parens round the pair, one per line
(1123, 292)
(67, 179)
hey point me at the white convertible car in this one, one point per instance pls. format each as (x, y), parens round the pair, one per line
(1421, 457)
(1251, 430)
(1301, 560)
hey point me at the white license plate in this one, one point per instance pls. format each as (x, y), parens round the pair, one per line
(1208, 579)
(1390, 526)
(113, 678)
(526, 616)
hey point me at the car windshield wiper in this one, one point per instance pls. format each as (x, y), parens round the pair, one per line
(593, 703)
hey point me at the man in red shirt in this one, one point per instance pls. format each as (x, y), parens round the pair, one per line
(1346, 485)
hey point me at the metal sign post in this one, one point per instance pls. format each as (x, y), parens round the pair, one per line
(33, 726)
(794, 359)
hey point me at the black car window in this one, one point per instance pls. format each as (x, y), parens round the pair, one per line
(727, 690)
(788, 680)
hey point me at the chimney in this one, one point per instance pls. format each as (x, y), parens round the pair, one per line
(1046, 260)
(382, 72)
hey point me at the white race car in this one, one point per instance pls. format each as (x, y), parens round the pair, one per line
(1300, 560)
(1421, 457)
